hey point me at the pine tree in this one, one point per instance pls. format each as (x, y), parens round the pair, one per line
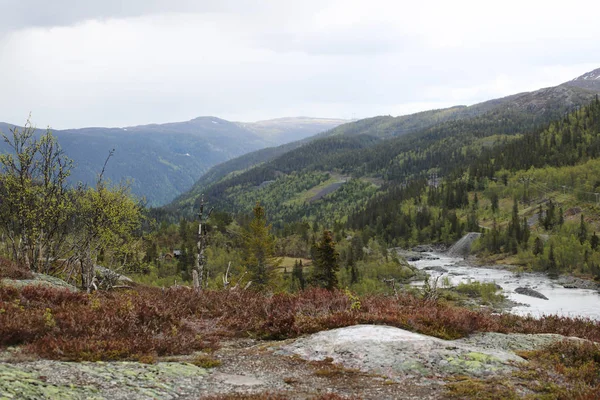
(326, 262)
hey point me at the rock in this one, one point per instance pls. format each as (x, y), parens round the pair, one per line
(571, 282)
(239, 380)
(463, 246)
(413, 258)
(397, 353)
(40, 280)
(436, 268)
(423, 248)
(114, 380)
(530, 292)
(103, 272)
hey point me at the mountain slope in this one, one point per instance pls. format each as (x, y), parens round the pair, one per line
(285, 130)
(590, 81)
(160, 160)
(407, 148)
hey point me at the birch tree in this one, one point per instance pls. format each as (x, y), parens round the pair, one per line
(34, 203)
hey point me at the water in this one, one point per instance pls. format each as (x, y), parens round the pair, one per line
(561, 301)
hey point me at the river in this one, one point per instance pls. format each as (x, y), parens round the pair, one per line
(561, 301)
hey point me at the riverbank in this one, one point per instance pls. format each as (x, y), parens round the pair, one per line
(509, 263)
(535, 293)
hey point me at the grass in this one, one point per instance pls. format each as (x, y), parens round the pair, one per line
(310, 193)
(487, 292)
(288, 262)
(205, 361)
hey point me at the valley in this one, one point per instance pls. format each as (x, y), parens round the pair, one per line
(318, 242)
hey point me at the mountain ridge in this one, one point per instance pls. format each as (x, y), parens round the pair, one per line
(439, 137)
(160, 160)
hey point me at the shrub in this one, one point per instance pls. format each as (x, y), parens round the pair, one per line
(12, 270)
(150, 322)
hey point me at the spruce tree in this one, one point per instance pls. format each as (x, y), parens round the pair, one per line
(594, 241)
(582, 232)
(538, 246)
(325, 262)
(259, 250)
(298, 275)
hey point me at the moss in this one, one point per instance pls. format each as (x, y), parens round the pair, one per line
(205, 361)
(18, 384)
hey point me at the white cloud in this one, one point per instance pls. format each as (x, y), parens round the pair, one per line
(116, 63)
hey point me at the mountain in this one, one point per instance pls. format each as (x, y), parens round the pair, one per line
(590, 80)
(387, 151)
(285, 130)
(161, 160)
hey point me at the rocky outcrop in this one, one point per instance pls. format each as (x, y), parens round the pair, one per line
(571, 282)
(397, 353)
(525, 291)
(40, 280)
(115, 380)
(396, 364)
(436, 268)
(463, 246)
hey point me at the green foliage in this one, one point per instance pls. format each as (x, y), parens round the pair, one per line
(325, 263)
(487, 292)
(259, 250)
(36, 208)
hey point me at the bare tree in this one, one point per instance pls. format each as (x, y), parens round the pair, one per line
(200, 260)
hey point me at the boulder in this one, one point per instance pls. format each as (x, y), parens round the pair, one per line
(525, 291)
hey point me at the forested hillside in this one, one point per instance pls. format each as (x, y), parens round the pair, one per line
(160, 161)
(382, 151)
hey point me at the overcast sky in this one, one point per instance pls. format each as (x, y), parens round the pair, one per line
(75, 63)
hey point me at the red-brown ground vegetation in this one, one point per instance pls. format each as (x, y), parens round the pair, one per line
(150, 322)
(11, 270)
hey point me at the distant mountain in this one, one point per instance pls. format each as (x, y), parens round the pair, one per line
(387, 151)
(590, 80)
(285, 130)
(160, 160)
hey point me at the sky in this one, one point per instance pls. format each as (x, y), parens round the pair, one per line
(76, 63)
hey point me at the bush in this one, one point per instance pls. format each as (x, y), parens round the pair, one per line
(11, 270)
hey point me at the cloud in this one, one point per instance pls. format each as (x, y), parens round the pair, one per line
(114, 63)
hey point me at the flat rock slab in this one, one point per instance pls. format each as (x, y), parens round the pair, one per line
(397, 353)
(99, 380)
(238, 380)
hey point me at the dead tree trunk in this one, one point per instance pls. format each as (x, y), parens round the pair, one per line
(199, 262)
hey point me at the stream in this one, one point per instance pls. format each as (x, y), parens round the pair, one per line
(561, 301)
